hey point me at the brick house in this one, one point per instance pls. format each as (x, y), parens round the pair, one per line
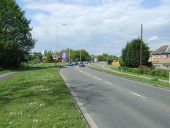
(161, 57)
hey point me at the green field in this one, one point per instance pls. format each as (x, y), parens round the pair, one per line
(38, 98)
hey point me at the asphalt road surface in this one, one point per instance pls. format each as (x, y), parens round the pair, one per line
(7, 75)
(115, 102)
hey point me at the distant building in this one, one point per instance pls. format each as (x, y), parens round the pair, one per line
(96, 60)
(161, 57)
(115, 63)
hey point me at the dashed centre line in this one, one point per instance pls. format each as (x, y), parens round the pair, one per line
(109, 83)
(133, 93)
(93, 76)
(88, 74)
(96, 78)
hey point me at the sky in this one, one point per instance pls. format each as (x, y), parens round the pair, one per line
(98, 26)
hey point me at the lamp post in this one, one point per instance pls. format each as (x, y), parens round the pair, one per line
(56, 40)
(141, 45)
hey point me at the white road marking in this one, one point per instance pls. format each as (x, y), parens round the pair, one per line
(6, 74)
(88, 74)
(108, 82)
(137, 95)
(96, 78)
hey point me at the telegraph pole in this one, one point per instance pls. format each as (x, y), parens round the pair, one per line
(107, 59)
(80, 55)
(69, 54)
(141, 44)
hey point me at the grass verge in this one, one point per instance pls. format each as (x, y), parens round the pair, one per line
(4, 71)
(133, 73)
(38, 98)
(153, 81)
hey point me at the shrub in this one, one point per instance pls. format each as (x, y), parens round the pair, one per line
(147, 71)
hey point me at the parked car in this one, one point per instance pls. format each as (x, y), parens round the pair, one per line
(74, 63)
(69, 64)
(81, 64)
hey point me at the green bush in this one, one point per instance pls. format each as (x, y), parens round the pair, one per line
(147, 71)
(132, 70)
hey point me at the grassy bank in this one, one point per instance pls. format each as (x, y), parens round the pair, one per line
(38, 98)
(152, 81)
(146, 72)
(4, 71)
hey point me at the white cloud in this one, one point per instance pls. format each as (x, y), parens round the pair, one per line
(98, 27)
(152, 38)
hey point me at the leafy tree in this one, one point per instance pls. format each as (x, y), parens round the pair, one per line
(37, 57)
(75, 55)
(103, 57)
(58, 56)
(131, 54)
(15, 34)
(92, 57)
(45, 53)
(121, 61)
(106, 57)
(49, 57)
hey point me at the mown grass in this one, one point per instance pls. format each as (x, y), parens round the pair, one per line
(4, 71)
(38, 98)
(153, 81)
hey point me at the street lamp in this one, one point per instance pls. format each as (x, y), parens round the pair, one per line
(56, 40)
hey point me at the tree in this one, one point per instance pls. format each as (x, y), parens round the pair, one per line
(103, 57)
(49, 57)
(75, 55)
(106, 57)
(131, 54)
(37, 57)
(15, 34)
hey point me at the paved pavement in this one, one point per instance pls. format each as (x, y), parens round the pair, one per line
(7, 75)
(115, 102)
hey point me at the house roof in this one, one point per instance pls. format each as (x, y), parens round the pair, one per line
(162, 49)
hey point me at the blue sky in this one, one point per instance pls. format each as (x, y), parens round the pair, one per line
(151, 3)
(99, 26)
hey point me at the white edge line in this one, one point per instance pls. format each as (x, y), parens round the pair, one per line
(137, 95)
(87, 117)
(150, 85)
(96, 78)
(88, 74)
(108, 82)
(6, 74)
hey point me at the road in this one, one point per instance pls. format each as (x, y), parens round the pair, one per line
(115, 102)
(7, 75)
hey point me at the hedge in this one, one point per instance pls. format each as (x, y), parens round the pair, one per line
(147, 71)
